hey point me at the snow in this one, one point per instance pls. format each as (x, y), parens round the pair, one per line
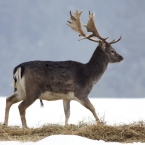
(67, 140)
(112, 111)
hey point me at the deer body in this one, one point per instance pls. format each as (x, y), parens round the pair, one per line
(66, 80)
(49, 78)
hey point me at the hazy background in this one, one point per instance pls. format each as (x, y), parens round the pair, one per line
(37, 30)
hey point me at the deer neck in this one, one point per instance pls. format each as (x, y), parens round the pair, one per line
(97, 65)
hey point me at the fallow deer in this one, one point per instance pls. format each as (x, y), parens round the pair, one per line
(66, 80)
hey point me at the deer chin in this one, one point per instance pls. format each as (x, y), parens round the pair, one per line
(121, 61)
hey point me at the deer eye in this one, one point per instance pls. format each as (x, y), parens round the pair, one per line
(112, 51)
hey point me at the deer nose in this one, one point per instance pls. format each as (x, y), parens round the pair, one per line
(121, 58)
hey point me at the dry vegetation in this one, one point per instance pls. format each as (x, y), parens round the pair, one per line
(134, 132)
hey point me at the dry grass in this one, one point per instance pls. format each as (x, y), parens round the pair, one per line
(134, 132)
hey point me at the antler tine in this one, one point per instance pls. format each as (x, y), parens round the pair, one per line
(72, 17)
(114, 41)
(91, 27)
(75, 24)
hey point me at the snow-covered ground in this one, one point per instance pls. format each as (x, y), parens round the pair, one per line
(113, 111)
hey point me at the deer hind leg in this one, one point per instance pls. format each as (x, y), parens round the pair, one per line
(30, 99)
(66, 106)
(86, 103)
(16, 97)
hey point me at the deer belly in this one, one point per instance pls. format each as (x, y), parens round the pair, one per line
(50, 96)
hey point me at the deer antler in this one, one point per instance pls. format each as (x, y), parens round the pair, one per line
(91, 27)
(75, 24)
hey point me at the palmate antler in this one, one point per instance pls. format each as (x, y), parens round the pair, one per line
(76, 25)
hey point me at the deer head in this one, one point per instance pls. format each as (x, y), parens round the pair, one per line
(76, 25)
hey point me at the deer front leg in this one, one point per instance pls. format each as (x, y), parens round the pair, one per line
(86, 103)
(66, 106)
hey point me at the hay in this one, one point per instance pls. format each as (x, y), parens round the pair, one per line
(134, 132)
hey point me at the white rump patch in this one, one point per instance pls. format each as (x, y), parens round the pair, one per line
(20, 83)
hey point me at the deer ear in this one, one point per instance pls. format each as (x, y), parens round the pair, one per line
(102, 45)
